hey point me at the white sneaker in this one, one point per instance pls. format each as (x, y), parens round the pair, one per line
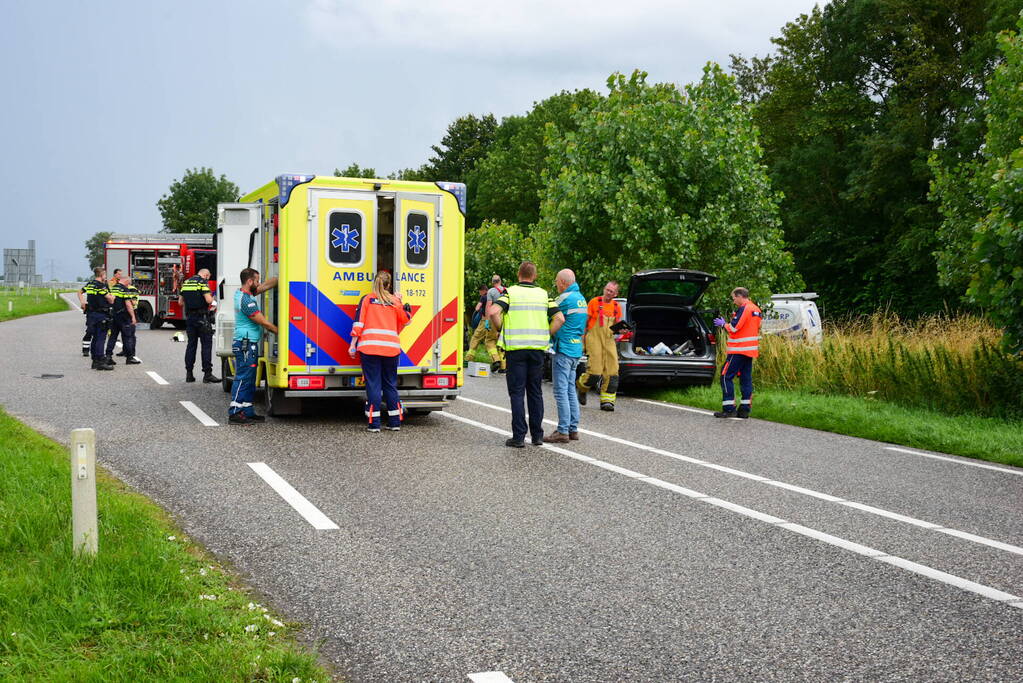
(375, 430)
(393, 429)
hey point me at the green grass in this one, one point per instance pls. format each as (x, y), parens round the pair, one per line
(984, 438)
(135, 611)
(34, 302)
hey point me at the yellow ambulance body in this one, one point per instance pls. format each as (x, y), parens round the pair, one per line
(325, 238)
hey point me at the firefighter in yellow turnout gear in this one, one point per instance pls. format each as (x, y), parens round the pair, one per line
(601, 350)
(485, 333)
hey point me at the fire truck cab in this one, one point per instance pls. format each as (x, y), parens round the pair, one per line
(157, 265)
(325, 238)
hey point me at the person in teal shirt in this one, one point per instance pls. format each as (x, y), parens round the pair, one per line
(249, 322)
(568, 349)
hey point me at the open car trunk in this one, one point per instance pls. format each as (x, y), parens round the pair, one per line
(671, 325)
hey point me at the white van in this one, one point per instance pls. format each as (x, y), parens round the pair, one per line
(795, 317)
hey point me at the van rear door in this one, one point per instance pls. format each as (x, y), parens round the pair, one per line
(238, 247)
(417, 271)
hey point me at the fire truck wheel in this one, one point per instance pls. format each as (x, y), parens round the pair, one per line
(156, 323)
(145, 313)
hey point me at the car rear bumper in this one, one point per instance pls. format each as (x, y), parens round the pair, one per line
(693, 372)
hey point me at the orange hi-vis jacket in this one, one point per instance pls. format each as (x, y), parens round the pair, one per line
(744, 331)
(602, 313)
(377, 325)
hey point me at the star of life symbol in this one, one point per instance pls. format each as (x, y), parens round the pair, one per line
(346, 238)
(417, 240)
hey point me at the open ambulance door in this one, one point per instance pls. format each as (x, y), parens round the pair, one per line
(238, 247)
(417, 277)
(342, 262)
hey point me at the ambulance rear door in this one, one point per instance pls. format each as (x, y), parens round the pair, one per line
(342, 262)
(238, 247)
(417, 268)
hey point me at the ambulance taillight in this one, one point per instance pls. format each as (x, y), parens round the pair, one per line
(439, 382)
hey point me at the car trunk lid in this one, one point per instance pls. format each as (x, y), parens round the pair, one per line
(668, 287)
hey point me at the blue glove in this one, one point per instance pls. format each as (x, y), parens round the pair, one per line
(719, 322)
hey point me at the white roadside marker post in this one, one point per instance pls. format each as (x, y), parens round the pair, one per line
(10, 306)
(85, 533)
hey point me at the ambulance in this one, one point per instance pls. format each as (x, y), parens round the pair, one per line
(324, 238)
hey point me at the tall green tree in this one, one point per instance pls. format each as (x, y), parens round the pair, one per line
(508, 180)
(494, 248)
(466, 142)
(657, 177)
(355, 171)
(191, 203)
(850, 108)
(94, 248)
(981, 200)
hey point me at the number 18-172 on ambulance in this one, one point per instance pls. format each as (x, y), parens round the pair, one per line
(325, 238)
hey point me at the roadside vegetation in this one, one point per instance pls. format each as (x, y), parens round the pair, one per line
(940, 383)
(150, 606)
(29, 302)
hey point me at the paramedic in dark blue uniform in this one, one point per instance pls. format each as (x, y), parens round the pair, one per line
(196, 300)
(97, 301)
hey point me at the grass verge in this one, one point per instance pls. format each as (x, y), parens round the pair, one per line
(150, 606)
(984, 438)
(33, 302)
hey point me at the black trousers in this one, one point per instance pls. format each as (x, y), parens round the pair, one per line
(194, 330)
(98, 322)
(525, 381)
(123, 326)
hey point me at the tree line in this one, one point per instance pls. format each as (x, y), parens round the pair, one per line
(874, 157)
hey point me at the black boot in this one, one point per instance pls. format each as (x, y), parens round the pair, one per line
(109, 360)
(100, 365)
(85, 351)
(132, 360)
(189, 377)
(209, 378)
(743, 412)
(582, 395)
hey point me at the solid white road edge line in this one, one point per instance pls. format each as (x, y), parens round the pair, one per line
(699, 411)
(490, 677)
(292, 497)
(199, 414)
(866, 551)
(990, 542)
(960, 461)
(156, 377)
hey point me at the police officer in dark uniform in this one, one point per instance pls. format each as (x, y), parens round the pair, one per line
(97, 300)
(124, 322)
(196, 299)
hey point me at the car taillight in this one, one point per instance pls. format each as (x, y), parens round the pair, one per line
(625, 336)
(711, 338)
(306, 383)
(439, 382)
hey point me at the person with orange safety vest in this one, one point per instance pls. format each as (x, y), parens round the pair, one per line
(743, 346)
(379, 319)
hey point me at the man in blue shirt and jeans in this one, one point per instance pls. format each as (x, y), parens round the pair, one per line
(568, 349)
(249, 323)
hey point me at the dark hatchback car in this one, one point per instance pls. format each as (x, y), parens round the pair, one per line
(661, 309)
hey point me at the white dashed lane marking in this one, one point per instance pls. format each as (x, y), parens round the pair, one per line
(293, 498)
(851, 546)
(199, 414)
(490, 677)
(827, 497)
(156, 377)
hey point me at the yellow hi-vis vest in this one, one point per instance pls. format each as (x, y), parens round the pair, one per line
(525, 324)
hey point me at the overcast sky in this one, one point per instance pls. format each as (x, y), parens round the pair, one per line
(106, 103)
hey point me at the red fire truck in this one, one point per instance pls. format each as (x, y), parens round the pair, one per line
(157, 265)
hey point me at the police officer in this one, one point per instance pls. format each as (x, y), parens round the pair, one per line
(525, 317)
(96, 301)
(196, 300)
(133, 294)
(124, 322)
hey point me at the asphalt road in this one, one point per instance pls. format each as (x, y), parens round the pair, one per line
(665, 545)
